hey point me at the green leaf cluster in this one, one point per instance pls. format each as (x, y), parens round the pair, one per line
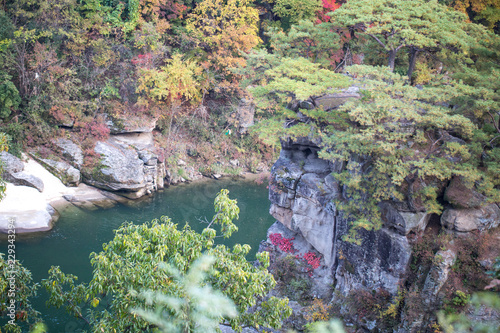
(199, 310)
(24, 288)
(305, 39)
(135, 260)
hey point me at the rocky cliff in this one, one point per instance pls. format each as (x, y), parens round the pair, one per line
(303, 194)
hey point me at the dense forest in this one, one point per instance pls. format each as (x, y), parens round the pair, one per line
(427, 71)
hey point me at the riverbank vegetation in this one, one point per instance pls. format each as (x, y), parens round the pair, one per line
(427, 74)
(83, 69)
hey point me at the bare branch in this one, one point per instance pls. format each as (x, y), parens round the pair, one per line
(493, 121)
(378, 40)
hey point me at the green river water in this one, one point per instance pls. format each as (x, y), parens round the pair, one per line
(78, 232)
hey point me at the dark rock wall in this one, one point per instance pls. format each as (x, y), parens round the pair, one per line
(302, 194)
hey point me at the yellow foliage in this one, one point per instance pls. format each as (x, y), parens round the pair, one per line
(318, 311)
(225, 28)
(423, 72)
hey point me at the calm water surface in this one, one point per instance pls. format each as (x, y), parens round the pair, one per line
(78, 232)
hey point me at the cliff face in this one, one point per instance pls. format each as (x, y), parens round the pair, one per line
(302, 194)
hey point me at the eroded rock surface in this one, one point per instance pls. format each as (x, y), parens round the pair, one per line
(71, 151)
(120, 168)
(69, 175)
(466, 220)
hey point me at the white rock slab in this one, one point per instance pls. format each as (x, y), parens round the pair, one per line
(27, 207)
(33, 211)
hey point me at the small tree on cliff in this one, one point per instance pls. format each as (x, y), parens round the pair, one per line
(133, 260)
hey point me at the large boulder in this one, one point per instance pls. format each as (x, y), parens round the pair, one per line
(466, 220)
(13, 172)
(10, 163)
(71, 151)
(120, 169)
(24, 179)
(403, 222)
(461, 196)
(27, 208)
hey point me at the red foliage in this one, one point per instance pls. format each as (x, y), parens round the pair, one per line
(143, 60)
(95, 130)
(173, 10)
(312, 260)
(285, 244)
(328, 7)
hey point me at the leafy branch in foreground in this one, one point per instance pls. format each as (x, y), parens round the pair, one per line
(16, 284)
(134, 261)
(201, 308)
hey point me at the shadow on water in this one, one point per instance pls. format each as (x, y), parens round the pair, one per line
(78, 232)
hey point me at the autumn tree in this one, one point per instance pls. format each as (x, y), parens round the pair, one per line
(179, 82)
(132, 262)
(487, 11)
(414, 26)
(222, 29)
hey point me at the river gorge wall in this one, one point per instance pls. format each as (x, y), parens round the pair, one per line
(304, 194)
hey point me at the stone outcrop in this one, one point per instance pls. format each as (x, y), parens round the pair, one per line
(13, 172)
(403, 222)
(24, 179)
(33, 210)
(87, 197)
(131, 124)
(10, 163)
(27, 208)
(69, 175)
(466, 220)
(127, 165)
(71, 151)
(302, 194)
(119, 169)
(461, 196)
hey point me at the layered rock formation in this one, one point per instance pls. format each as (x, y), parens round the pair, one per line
(303, 194)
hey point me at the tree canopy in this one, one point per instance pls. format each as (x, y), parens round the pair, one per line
(413, 25)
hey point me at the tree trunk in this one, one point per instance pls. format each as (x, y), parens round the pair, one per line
(392, 59)
(413, 60)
